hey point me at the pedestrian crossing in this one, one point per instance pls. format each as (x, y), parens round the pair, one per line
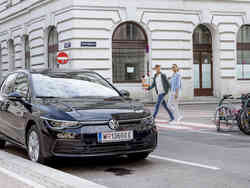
(191, 126)
(191, 114)
(197, 118)
(183, 125)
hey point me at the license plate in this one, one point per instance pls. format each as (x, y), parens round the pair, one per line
(118, 136)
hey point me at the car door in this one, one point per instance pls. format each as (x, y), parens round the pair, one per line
(7, 87)
(17, 111)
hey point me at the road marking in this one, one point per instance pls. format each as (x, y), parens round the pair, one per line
(188, 124)
(197, 124)
(192, 130)
(217, 134)
(173, 127)
(19, 178)
(184, 162)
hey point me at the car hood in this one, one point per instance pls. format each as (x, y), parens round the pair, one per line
(96, 109)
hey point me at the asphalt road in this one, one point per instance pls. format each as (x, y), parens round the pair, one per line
(189, 155)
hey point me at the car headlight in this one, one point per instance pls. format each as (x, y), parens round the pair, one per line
(58, 124)
(149, 120)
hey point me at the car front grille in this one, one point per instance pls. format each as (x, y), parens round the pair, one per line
(89, 145)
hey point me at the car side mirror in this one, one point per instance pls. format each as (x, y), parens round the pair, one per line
(124, 93)
(15, 96)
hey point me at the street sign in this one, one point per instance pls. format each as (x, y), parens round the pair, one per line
(67, 44)
(88, 44)
(62, 58)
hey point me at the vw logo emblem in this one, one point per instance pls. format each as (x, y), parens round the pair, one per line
(113, 124)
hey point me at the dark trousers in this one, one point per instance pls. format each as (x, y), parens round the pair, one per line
(162, 101)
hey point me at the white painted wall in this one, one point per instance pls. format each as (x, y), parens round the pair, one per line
(169, 25)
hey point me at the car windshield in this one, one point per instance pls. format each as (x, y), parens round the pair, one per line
(72, 85)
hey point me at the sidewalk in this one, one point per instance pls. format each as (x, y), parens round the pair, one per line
(194, 100)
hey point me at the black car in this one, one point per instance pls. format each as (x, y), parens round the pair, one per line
(72, 114)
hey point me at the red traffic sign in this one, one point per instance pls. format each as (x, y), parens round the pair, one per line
(62, 58)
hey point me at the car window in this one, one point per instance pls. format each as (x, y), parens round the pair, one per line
(72, 86)
(22, 84)
(8, 84)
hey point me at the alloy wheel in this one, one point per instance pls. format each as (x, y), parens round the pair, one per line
(33, 146)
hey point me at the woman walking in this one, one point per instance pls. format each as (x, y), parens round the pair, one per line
(173, 101)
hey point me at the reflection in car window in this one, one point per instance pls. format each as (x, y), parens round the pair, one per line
(8, 85)
(72, 85)
(22, 84)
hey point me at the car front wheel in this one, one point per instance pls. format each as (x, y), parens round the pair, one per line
(34, 146)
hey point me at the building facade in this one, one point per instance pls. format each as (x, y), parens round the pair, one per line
(123, 39)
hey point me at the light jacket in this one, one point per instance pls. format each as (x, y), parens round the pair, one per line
(165, 83)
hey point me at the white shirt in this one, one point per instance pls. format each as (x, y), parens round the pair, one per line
(159, 85)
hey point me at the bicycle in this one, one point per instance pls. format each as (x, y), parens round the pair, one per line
(227, 112)
(244, 123)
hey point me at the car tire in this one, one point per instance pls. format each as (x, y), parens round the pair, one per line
(34, 146)
(2, 144)
(138, 156)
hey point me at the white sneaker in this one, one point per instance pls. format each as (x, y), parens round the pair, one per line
(172, 122)
(180, 118)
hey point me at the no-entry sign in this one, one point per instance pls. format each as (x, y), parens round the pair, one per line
(62, 58)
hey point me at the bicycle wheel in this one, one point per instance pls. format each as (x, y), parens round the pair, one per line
(217, 119)
(221, 114)
(244, 124)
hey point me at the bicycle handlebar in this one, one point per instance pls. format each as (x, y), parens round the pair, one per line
(230, 97)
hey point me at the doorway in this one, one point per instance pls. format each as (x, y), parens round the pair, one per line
(203, 61)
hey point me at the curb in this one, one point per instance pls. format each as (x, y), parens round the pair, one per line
(10, 180)
(22, 173)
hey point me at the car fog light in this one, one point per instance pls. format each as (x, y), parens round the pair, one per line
(66, 136)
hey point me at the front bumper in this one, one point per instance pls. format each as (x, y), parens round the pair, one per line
(86, 143)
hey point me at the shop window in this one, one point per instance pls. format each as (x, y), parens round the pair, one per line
(129, 45)
(52, 48)
(11, 49)
(243, 53)
(27, 52)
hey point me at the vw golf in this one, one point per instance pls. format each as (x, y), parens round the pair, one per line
(72, 114)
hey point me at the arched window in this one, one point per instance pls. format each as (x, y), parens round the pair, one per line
(27, 52)
(203, 61)
(52, 48)
(11, 50)
(129, 45)
(243, 53)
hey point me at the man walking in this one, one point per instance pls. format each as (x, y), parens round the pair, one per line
(173, 101)
(162, 86)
